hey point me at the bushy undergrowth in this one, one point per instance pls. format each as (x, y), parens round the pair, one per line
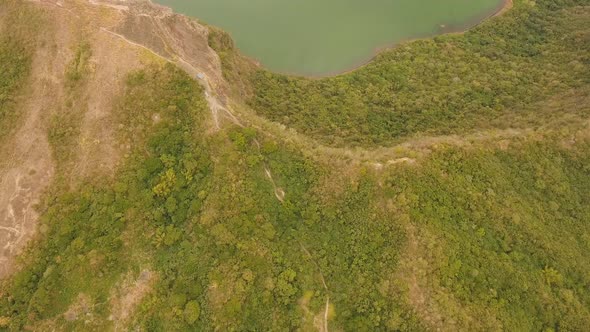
(227, 253)
(63, 132)
(82, 249)
(505, 234)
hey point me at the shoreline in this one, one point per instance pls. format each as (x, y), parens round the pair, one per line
(507, 5)
(502, 9)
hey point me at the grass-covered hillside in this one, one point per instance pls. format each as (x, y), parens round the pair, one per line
(239, 229)
(16, 48)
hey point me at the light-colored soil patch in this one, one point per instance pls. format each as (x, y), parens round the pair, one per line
(414, 273)
(81, 306)
(99, 152)
(128, 295)
(320, 321)
(27, 166)
(176, 39)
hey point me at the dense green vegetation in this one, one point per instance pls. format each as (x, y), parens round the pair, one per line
(449, 84)
(508, 232)
(505, 230)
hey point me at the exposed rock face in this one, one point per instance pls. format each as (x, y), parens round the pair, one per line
(171, 36)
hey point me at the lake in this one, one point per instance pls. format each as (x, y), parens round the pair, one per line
(325, 37)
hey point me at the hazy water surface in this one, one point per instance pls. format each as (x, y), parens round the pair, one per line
(320, 37)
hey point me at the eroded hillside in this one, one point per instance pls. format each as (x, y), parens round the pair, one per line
(76, 58)
(154, 179)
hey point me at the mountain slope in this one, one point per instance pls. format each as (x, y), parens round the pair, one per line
(169, 202)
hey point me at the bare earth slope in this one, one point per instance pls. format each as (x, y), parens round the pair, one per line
(112, 32)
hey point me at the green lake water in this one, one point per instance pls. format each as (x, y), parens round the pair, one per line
(324, 37)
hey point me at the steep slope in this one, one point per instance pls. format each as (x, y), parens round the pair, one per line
(167, 203)
(26, 163)
(62, 52)
(54, 127)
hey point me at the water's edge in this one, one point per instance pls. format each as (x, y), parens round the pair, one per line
(501, 9)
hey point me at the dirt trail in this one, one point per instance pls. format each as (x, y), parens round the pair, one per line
(182, 41)
(175, 39)
(128, 295)
(279, 193)
(414, 267)
(327, 308)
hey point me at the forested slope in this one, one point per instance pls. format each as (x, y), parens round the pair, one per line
(239, 229)
(501, 234)
(494, 75)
